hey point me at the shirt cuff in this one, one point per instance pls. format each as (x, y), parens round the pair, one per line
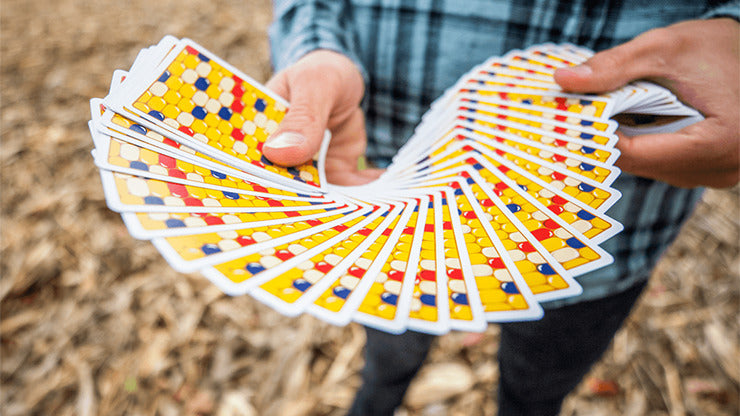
(730, 9)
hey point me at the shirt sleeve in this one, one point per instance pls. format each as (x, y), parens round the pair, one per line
(729, 9)
(301, 26)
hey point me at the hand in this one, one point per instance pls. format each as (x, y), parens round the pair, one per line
(697, 60)
(324, 89)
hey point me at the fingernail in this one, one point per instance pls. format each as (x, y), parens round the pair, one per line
(581, 70)
(287, 139)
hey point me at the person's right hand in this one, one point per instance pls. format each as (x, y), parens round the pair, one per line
(324, 89)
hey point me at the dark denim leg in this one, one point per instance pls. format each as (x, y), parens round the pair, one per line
(391, 361)
(542, 361)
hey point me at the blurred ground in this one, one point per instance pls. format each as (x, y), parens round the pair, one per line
(94, 322)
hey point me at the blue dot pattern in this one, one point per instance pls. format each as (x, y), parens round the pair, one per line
(174, 223)
(202, 83)
(209, 249)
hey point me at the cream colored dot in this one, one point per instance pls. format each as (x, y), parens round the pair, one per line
(392, 286)
(228, 234)
(129, 152)
(189, 76)
(226, 84)
(428, 287)
(466, 229)
(545, 154)
(306, 265)
(489, 252)
(226, 99)
(547, 127)
(270, 261)
(363, 263)
(571, 207)
(279, 107)
(547, 139)
(582, 226)
(562, 234)
(228, 245)
(588, 110)
(240, 148)
(457, 285)
(572, 162)
(249, 128)
(503, 275)
(427, 265)
(260, 119)
(540, 216)
(535, 257)
(154, 135)
(452, 263)
(572, 133)
(517, 237)
(192, 176)
(158, 89)
(186, 119)
(545, 193)
(200, 98)
(187, 149)
(481, 270)
(573, 120)
(296, 249)
(415, 305)
(271, 126)
(172, 123)
(200, 137)
(571, 182)
(203, 69)
(488, 217)
(544, 171)
(557, 185)
(137, 187)
(261, 236)
(398, 265)
(212, 106)
(565, 254)
(172, 201)
(332, 259)
(349, 281)
(195, 222)
(381, 277)
(516, 255)
(210, 202)
(269, 251)
(313, 275)
(230, 219)
(306, 176)
(158, 170)
(159, 216)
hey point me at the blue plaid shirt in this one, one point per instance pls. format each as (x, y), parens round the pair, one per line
(410, 51)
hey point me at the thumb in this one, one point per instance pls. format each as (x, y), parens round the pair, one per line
(639, 58)
(300, 133)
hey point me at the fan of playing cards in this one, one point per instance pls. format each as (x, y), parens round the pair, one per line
(496, 202)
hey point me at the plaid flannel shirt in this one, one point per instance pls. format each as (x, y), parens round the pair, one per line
(410, 51)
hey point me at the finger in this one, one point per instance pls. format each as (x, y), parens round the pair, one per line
(642, 57)
(279, 85)
(347, 146)
(698, 155)
(301, 131)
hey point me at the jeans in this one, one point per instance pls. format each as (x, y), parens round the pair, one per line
(540, 362)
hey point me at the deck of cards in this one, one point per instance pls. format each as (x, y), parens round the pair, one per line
(494, 205)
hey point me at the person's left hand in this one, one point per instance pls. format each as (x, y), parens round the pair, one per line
(697, 60)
